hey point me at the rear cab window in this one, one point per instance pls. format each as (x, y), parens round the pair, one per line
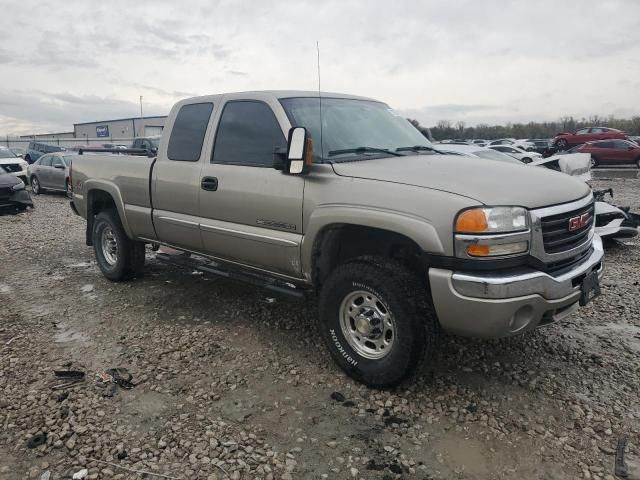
(188, 132)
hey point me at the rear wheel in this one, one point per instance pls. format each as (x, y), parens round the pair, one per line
(594, 162)
(118, 257)
(562, 144)
(526, 160)
(638, 162)
(376, 321)
(35, 186)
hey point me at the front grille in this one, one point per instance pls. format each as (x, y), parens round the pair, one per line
(11, 167)
(557, 237)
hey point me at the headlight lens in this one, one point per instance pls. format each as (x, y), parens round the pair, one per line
(18, 186)
(492, 232)
(492, 220)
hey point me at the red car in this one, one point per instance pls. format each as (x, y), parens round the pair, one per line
(589, 134)
(612, 152)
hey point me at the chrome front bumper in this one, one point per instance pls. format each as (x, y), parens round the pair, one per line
(490, 305)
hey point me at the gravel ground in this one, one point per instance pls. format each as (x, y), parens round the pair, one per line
(231, 383)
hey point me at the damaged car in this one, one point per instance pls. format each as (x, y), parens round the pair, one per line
(13, 196)
(613, 221)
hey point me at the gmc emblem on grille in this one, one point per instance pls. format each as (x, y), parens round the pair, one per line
(576, 223)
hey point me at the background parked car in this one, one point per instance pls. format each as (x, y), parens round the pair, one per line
(475, 151)
(10, 163)
(569, 139)
(146, 143)
(36, 149)
(50, 172)
(13, 196)
(519, 153)
(540, 145)
(18, 151)
(612, 152)
(523, 144)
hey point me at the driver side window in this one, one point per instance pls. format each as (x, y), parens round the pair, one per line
(248, 133)
(582, 131)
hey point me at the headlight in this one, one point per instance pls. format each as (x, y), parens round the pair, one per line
(18, 186)
(492, 232)
(492, 220)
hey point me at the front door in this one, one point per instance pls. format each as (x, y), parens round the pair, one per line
(250, 212)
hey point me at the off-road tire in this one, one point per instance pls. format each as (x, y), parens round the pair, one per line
(404, 296)
(130, 255)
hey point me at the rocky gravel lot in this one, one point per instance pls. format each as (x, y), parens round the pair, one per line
(233, 383)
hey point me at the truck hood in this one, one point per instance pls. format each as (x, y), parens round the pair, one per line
(486, 181)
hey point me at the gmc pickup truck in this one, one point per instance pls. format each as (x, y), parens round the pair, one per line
(341, 197)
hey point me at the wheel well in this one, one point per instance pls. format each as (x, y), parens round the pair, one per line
(97, 201)
(337, 244)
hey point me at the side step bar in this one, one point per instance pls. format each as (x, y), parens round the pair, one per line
(232, 272)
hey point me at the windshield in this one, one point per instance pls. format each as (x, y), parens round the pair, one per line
(494, 155)
(350, 125)
(6, 153)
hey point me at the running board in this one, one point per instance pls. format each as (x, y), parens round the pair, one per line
(232, 272)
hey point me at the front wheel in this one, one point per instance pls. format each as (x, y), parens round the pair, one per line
(594, 162)
(375, 318)
(562, 144)
(118, 257)
(526, 160)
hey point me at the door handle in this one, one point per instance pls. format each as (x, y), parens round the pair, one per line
(209, 183)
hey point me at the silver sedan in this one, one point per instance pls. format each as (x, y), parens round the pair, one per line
(50, 172)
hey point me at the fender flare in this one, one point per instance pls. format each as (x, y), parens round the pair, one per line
(113, 190)
(417, 229)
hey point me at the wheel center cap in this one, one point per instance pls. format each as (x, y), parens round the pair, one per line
(363, 325)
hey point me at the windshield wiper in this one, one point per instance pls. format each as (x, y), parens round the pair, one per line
(416, 148)
(363, 150)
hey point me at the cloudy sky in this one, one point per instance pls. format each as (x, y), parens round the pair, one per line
(479, 61)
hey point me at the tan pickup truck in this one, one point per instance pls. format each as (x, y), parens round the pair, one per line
(340, 196)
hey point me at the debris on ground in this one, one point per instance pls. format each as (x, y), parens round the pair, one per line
(36, 440)
(80, 474)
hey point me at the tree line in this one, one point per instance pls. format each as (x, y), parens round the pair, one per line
(445, 129)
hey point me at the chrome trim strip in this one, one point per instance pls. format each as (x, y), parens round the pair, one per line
(526, 281)
(564, 207)
(177, 221)
(464, 240)
(249, 236)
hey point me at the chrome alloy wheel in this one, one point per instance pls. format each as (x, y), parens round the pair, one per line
(109, 246)
(367, 325)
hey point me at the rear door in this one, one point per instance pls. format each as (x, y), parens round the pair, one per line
(176, 176)
(251, 213)
(582, 136)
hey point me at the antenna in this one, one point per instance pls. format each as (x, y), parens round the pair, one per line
(320, 100)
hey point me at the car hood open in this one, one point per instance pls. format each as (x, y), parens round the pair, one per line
(486, 181)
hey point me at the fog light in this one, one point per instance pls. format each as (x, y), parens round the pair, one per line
(497, 250)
